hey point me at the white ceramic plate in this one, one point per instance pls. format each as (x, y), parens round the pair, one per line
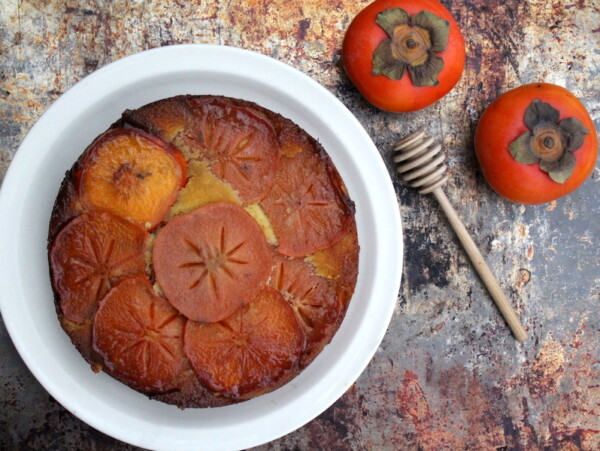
(57, 140)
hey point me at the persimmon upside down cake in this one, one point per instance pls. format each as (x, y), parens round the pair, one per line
(203, 250)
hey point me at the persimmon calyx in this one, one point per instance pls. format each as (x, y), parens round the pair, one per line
(411, 45)
(549, 142)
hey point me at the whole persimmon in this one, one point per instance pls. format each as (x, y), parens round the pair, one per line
(404, 55)
(536, 143)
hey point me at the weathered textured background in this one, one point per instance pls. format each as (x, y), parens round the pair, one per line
(448, 373)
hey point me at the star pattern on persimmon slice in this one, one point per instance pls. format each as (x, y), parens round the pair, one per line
(316, 307)
(248, 350)
(90, 254)
(241, 147)
(211, 261)
(215, 262)
(305, 206)
(140, 336)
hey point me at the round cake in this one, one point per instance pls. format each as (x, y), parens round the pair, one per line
(203, 250)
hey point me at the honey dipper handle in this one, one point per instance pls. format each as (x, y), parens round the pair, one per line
(481, 267)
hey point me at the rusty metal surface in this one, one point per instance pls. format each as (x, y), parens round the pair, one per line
(448, 375)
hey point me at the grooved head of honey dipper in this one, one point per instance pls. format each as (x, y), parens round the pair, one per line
(420, 161)
(410, 139)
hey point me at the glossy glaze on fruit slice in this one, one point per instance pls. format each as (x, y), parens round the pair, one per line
(250, 349)
(241, 147)
(314, 304)
(339, 263)
(91, 254)
(168, 119)
(306, 206)
(211, 261)
(139, 335)
(131, 174)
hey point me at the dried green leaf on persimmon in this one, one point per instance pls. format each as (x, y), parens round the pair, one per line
(560, 170)
(391, 18)
(520, 149)
(439, 29)
(539, 112)
(426, 73)
(385, 64)
(574, 132)
(413, 43)
(549, 142)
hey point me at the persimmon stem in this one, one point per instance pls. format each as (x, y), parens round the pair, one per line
(411, 44)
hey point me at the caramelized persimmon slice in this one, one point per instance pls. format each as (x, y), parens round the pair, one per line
(140, 336)
(315, 306)
(250, 349)
(339, 263)
(241, 147)
(305, 205)
(91, 254)
(131, 174)
(167, 118)
(211, 261)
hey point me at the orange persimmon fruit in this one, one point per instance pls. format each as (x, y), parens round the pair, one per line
(536, 143)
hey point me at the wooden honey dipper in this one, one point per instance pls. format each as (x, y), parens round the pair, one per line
(422, 166)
